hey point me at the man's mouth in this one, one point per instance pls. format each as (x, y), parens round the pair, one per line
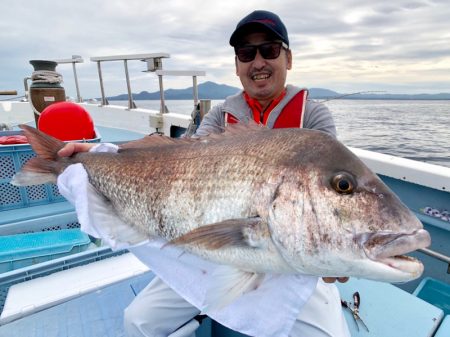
(260, 77)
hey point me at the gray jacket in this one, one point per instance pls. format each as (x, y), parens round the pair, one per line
(316, 115)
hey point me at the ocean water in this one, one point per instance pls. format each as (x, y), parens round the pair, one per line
(413, 129)
(418, 130)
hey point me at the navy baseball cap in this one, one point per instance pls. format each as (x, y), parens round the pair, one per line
(256, 20)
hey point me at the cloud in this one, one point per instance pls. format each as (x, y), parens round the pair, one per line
(338, 45)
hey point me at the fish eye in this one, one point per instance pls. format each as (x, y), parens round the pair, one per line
(343, 183)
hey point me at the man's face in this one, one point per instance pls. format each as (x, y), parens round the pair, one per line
(263, 79)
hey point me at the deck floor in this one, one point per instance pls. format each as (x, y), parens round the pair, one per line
(387, 311)
(96, 314)
(99, 313)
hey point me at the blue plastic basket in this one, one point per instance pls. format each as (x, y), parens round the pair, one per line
(23, 250)
(12, 158)
(435, 292)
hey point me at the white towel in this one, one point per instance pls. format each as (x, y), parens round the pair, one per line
(270, 310)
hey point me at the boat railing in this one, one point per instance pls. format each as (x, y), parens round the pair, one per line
(154, 62)
(421, 173)
(8, 92)
(437, 255)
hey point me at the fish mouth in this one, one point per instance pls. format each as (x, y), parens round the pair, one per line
(390, 248)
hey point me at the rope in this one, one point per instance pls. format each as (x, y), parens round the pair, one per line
(46, 76)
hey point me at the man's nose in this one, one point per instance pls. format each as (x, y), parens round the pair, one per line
(259, 60)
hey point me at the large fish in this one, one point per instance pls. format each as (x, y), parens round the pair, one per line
(262, 201)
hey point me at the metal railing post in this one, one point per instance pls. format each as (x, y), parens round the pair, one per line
(162, 108)
(195, 90)
(99, 68)
(79, 99)
(131, 104)
(437, 255)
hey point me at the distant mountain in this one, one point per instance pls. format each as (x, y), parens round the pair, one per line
(321, 93)
(206, 90)
(211, 90)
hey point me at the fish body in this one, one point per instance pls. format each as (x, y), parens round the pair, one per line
(291, 201)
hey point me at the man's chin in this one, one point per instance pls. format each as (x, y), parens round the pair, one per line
(261, 90)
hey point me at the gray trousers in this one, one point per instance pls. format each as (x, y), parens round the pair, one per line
(158, 311)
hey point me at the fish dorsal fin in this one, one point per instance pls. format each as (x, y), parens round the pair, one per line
(153, 140)
(157, 139)
(238, 128)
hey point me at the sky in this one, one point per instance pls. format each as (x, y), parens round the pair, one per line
(394, 46)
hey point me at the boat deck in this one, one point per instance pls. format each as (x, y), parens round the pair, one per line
(100, 313)
(390, 311)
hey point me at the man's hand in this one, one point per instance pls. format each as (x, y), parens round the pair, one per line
(71, 148)
(334, 279)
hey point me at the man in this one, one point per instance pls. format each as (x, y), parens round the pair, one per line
(262, 59)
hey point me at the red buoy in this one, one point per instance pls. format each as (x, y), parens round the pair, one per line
(66, 121)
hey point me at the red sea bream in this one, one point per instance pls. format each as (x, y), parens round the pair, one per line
(259, 200)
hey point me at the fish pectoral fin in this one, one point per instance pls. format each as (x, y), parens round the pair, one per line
(245, 232)
(229, 284)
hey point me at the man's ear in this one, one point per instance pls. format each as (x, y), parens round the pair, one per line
(236, 65)
(289, 59)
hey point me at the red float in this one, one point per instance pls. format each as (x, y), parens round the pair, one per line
(66, 121)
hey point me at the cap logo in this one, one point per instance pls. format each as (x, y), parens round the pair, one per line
(267, 21)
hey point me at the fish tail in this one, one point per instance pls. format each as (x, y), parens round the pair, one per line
(45, 167)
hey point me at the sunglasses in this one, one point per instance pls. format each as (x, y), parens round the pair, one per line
(268, 50)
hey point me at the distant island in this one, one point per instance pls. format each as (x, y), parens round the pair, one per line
(211, 90)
